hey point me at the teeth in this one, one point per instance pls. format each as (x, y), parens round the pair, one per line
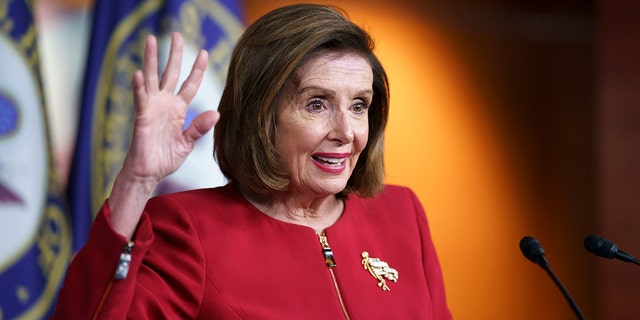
(331, 160)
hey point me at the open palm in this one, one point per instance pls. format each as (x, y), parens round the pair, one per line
(159, 145)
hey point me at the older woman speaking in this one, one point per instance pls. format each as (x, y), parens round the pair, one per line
(305, 229)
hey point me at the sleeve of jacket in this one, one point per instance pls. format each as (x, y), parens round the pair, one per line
(432, 270)
(166, 275)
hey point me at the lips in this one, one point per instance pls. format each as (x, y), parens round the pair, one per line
(330, 162)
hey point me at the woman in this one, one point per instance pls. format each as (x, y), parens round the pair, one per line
(304, 230)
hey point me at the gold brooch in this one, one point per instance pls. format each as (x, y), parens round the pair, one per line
(379, 270)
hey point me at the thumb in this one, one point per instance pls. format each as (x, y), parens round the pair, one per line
(201, 125)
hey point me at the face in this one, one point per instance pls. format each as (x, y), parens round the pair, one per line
(323, 121)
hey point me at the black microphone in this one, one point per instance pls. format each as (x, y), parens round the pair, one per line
(607, 249)
(532, 249)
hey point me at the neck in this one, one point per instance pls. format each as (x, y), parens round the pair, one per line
(316, 212)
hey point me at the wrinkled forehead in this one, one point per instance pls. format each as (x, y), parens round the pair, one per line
(293, 80)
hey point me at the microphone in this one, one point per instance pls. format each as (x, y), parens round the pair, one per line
(607, 249)
(532, 250)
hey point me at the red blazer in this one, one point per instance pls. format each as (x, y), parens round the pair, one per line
(209, 254)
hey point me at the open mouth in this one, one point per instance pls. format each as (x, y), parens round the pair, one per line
(334, 162)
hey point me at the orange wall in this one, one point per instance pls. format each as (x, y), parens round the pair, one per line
(442, 143)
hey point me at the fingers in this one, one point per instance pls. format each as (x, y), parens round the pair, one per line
(201, 125)
(192, 83)
(139, 91)
(172, 71)
(150, 67)
(149, 79)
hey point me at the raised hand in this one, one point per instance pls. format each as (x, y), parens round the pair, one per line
(159, 145)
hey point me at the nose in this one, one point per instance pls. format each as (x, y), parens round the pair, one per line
(341, 128)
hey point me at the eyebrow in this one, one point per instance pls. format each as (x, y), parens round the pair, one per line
(331, 93)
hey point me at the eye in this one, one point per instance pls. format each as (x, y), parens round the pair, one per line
(315, 105)
(360, 107)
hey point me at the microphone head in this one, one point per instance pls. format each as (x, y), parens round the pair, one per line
(532, 250)
(600, 246)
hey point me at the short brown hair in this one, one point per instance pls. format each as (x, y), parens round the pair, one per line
(266, 56)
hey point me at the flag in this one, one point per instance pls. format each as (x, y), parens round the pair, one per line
(35, 236)
(106, 116)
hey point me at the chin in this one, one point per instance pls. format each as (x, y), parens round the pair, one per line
(331, 189)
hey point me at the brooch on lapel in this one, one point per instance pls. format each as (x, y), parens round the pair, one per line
(379, 270)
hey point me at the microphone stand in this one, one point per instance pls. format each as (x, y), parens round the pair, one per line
(566, 294)
(532, 250)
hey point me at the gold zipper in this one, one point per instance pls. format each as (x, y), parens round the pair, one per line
(331, 263)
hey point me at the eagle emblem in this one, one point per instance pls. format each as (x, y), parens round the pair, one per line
(380, 270)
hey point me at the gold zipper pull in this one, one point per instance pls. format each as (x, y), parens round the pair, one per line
(326, 251)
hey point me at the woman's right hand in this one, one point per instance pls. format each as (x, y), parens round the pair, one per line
(159, 144)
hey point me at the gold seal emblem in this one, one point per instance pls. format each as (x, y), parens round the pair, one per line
(379, 270)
